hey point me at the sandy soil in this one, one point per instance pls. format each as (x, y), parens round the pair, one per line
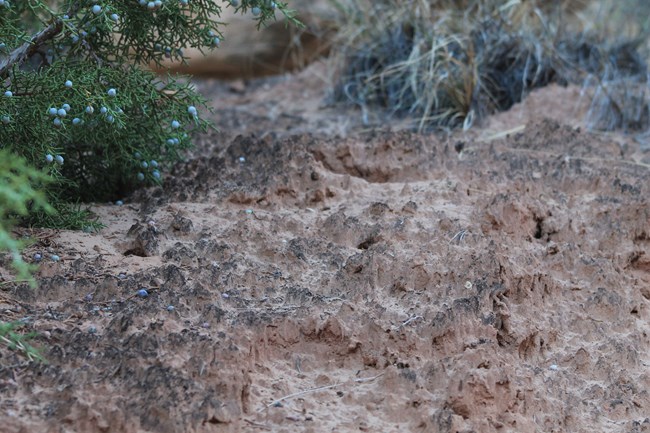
(340, 278)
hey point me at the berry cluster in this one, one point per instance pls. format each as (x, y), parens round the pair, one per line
(152, 165)
(58, 158)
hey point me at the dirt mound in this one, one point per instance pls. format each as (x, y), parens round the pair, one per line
(377, 281)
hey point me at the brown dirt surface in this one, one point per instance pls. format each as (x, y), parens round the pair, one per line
(338, 279)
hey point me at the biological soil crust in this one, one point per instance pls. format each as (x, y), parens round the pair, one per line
(325, 278)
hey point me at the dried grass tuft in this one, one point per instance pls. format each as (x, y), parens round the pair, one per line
(445, 64)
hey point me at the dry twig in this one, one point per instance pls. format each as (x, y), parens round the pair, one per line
(319, 388)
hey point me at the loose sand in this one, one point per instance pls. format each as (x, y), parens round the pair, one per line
(341, 278)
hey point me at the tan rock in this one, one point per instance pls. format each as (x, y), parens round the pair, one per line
(276, 48)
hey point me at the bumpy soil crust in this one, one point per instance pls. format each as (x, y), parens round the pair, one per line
(346, 280)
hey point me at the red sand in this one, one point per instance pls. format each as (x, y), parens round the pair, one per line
(343, 280)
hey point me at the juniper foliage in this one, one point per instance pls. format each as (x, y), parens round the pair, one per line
(20, 191)
(82, 118)
(78, 102)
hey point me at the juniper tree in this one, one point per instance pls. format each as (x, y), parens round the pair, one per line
(79, 104)
(78, 101)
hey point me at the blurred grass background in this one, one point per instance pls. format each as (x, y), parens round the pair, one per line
(447, 64)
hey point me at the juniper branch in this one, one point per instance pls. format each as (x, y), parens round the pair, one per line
(28, 49)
